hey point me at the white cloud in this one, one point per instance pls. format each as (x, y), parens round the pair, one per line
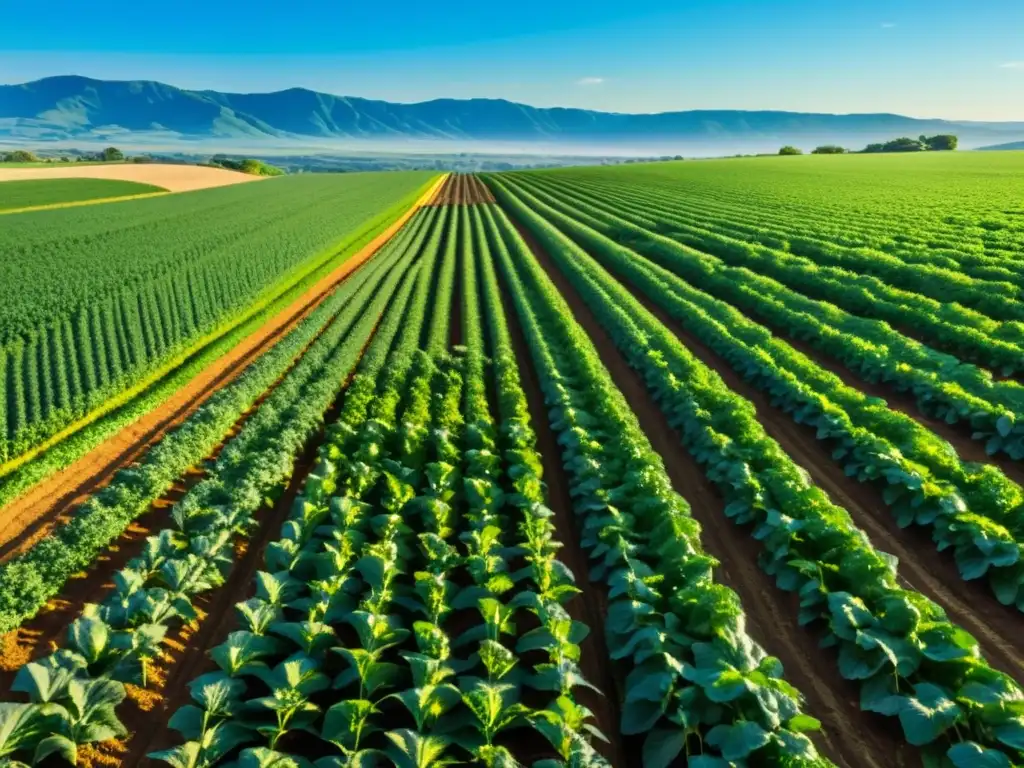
(888, 25)
(590, 81)
(1012, 65)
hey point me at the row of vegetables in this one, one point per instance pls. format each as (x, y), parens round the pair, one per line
(958, 329)
(890, 218)
(972, 509)
(696, 684)
(911, 662)
(817, 231)
(412, 612)
(73, 693)
(942, 385)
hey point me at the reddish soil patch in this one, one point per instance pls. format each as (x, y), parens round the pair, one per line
(590, 607)
(31, 516)
(850, 737)
(464, 189)
(481, 193)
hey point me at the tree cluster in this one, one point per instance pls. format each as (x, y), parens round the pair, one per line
(246, 165)
(108, 155)
(939, 143)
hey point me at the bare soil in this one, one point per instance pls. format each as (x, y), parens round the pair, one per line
(850, 737)
(464, 189)
(174, 178)
(31, 516)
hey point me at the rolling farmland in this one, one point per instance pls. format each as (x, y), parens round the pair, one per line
(707, 463)
(38, 193)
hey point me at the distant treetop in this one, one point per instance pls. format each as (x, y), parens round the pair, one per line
(940, 143)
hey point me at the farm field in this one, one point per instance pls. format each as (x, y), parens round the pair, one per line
(174, 178)
(44, 192)
(711, 463)
(143, 288)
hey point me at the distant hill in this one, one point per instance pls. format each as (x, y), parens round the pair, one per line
(1010, 145)
(72, 107)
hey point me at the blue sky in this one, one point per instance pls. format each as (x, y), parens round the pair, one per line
(935, 58)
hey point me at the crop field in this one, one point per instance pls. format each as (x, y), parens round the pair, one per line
(169, 176)
(710, 464)
(44, 192)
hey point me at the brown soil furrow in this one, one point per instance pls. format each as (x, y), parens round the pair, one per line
(477, 192)
(30, 516)
(850, 737)
(591, 606)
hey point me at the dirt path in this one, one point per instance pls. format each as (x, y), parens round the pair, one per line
(32, 515)
(174, 178)
(591, 607)
(850, 737)
(477, 192)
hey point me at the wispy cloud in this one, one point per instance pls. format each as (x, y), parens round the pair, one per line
(590, 81)
(888, 25)
(1012, 65)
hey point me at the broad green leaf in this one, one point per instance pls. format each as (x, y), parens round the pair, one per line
(347, 722)
(738, 741)
(926, 715)
(967, 754)
(662, 746)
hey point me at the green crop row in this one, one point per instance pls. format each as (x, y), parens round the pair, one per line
(92, 300)
(33, 577)
(815, 231)
(403, 533)
(972, 509)
(942, 385)
(74, 692)
(911, 662)
(696, 683)
(960, 330)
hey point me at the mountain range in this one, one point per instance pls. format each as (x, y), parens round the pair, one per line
(74, 108)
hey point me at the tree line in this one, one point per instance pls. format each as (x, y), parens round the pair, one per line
(108, 155)
(942, 142)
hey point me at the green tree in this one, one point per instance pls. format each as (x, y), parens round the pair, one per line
(943, 142)
(829, 149)
(788, 150)
(21, 156)
(111, 155)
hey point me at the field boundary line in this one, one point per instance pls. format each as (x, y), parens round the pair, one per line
(80, 203)
(329, 280)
